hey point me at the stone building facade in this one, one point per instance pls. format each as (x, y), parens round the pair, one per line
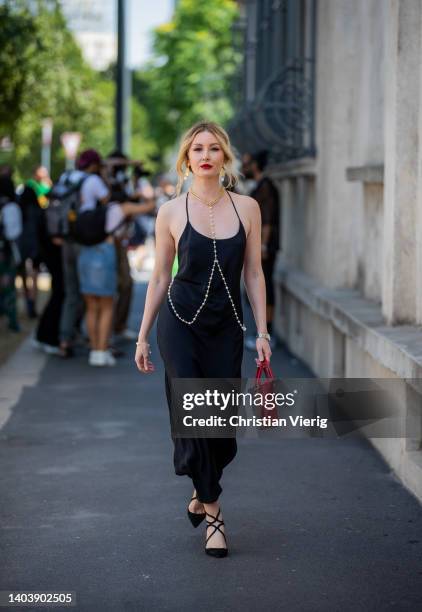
(333, 88)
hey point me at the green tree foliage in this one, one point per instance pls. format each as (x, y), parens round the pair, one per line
(190, 76)
(43, 74)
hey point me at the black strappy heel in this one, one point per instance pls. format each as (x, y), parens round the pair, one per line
(195, 518)
(216, 552)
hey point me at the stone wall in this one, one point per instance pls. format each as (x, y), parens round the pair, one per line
(349, 276)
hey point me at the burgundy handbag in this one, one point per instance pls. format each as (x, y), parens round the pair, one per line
(265, 386)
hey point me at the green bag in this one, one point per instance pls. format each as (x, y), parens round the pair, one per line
(175, 266)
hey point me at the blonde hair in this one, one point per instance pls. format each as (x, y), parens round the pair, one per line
(224, 141)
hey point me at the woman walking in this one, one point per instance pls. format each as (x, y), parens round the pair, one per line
(200, 328)
(97, 265)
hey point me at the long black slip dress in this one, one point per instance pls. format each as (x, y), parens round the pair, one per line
(211, 347)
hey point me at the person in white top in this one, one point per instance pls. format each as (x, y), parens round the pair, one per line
(97, 265)
(10, 230)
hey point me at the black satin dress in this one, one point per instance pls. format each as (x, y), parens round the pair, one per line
(211, 347)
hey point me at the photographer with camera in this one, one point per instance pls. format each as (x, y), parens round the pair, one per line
(122, 190)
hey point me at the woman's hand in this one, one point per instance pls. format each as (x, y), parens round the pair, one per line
(263, 348)
(142, 360)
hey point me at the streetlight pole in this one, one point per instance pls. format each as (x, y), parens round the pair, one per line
(47, 133)
(123, 85)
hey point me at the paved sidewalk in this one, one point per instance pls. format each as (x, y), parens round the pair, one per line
(90, 503)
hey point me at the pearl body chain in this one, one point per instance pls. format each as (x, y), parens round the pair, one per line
(215, 262)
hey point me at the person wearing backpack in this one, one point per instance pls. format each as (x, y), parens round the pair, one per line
(10, 230)
(98, 219)
(65, 201)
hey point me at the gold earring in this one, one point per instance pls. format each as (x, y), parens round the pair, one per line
(186, 173)
(222, 174)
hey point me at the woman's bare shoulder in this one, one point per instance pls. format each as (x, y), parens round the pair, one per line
(172, 215)
(245, 201)
(247, 207)
(168, 209)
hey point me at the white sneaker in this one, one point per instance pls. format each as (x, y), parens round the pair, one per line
(95, 358)
(129, 334)
(50, 349)
(101, 358)
(36, 344)
(47, 348)
(108, 358)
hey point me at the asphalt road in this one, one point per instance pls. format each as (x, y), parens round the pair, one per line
(90, 504)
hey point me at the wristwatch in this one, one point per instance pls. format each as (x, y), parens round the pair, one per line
(263, 335)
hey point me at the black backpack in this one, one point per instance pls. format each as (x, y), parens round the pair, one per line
(64, 202)
(88, 228)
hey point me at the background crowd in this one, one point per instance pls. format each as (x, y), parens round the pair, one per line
(91, 284)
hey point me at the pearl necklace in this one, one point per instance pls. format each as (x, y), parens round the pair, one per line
(210, 207)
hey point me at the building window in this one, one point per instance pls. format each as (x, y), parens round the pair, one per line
(279, 79)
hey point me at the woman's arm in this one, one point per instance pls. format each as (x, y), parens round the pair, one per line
(157, 287)
(133, 210)
(254, 279)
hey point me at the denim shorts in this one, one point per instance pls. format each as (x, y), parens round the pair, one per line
(97, 269)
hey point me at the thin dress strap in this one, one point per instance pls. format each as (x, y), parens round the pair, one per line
(187, 212)
(234, 206)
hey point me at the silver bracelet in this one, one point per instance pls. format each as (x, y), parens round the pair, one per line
(263, 335)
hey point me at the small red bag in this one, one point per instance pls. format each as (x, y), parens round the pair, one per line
(264, 387)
